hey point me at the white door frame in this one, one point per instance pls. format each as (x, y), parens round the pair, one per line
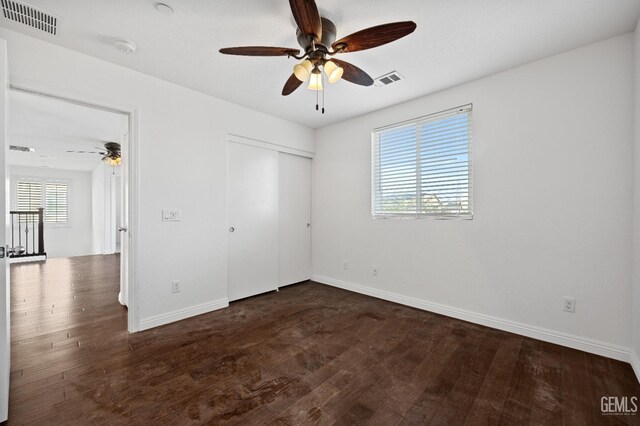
(5, 320)
(47, 91)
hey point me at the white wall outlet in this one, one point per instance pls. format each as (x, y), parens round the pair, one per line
(176, 286)
(569, 304)
(345, 265)
(374, 271)
(170, 215)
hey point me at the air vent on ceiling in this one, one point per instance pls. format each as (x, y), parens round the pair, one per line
(387, 79)
(29, 15)
(20, 148)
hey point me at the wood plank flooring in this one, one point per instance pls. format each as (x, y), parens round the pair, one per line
(307, 354)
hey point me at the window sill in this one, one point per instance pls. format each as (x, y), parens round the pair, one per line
(414, 216)
(57, 226)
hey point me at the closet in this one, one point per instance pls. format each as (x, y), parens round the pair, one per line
(269, 217)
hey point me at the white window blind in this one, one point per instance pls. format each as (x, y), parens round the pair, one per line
(29, 195)
(422, 167)
(56, 208)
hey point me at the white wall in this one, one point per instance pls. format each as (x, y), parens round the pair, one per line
(552, 145)
(74, 238)
(182, 165)
(636, 209)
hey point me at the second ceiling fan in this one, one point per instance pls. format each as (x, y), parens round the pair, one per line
(317, 36)
(110, 155)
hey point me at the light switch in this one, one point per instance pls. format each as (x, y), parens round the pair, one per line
(170, 215)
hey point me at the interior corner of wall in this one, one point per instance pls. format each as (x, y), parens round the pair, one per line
(635, 363)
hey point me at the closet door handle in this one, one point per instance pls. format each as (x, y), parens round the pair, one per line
(232, 229)
(308, 225)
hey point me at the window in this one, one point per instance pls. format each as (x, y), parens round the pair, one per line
(422, 167)
(29, 199)
(56, 209)
(29, 195)
(52, 195)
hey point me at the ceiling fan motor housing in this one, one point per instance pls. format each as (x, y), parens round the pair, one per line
(328, 37)
(112, 147)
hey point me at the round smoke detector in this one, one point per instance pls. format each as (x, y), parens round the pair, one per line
(125, 46)
(164, 8)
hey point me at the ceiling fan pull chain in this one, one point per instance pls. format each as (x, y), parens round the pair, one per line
(316, 100)
(323, 86)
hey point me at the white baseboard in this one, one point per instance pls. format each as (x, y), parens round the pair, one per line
(180, 314)
(635, 363)
(27, 259)
(576, 342)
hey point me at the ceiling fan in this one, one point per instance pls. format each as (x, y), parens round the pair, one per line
(111, 154)
(317, 36)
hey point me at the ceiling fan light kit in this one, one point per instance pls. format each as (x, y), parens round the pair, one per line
(315, 82)
(317, 36)
(334, 72)
(112, 161)
(303, 70)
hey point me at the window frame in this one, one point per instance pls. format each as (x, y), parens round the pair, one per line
(416, 123)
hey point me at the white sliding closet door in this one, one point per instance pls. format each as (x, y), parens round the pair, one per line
(295, 219)
(252, 209)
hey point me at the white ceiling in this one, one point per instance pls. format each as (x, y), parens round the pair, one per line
(456, 41)
(54, 127)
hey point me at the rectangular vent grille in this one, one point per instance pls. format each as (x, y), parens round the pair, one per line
(20, 148)
(389, 78)
(29, 15)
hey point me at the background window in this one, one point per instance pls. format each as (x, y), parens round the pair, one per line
(56, 209)
(29, 195)
(423, 167)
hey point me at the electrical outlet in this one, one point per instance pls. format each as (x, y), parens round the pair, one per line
(345, 265)
(176, 287)
(569, 304)
(374, 271)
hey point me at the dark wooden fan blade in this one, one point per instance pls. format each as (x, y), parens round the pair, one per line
(306, 14)
(259, 51)
(291, 85)
(374, 36)
(353, 74)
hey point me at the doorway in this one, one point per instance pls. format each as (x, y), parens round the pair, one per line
(110, 191)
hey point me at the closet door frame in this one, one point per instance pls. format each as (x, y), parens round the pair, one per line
(269, 145)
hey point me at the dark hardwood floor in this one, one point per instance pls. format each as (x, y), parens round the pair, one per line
(307, 354)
